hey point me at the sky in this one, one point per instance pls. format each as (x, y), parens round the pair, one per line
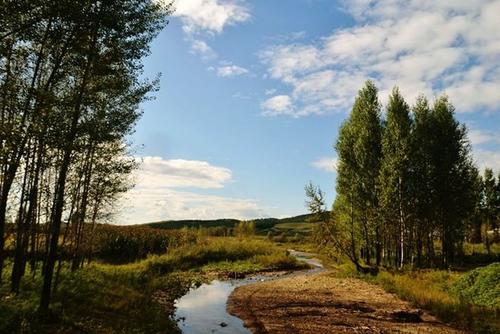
(252, 94)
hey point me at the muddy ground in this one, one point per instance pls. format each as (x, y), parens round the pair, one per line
(322, 303)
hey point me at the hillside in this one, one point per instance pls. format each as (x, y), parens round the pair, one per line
(286, 227)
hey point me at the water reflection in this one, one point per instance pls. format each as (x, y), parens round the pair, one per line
(203, 310)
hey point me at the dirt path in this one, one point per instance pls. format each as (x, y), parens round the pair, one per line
(322, 303)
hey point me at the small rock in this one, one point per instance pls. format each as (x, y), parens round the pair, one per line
(223, 324)
(407, 316)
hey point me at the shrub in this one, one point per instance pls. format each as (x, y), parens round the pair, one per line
(480, 286)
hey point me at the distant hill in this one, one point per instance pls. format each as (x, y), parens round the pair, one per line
(289, 225)
(176, 224)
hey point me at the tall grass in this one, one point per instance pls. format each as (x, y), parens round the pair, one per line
(217, 250)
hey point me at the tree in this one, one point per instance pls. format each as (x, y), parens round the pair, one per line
(244, 229)
(315, 202)
(451, 178)
(113, 39)
(489, 204)
(359, 152)
(69, 95)
(423, 196)
(395, 184)
(403, 184)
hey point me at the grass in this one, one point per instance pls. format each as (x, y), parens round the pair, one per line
(108, 298)
(296, 227)
(216, 250)
(258, 263)
(433, 290)
(472, 249)
(97, 299)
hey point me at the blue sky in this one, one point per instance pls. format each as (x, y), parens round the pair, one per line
(253, 93)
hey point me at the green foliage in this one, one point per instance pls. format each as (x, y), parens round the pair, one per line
(480, 286)
(70, 94)
(297, 228)
(401, 183)
(359, 152)
(395, 183)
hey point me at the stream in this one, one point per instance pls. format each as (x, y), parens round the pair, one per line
(203, 309)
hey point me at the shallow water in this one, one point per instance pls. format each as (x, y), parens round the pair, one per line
(203, 309)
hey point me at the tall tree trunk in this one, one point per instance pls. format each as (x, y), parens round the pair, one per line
(58, 204)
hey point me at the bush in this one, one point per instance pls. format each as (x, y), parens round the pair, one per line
(480, 286)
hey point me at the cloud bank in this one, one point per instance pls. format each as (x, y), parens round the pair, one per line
(170, 189)
(424, 46)
(482, 142)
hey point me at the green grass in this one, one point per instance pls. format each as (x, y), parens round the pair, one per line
(258, 263)
(471, 249)
(95, 300)
(295, 227)
(212, 250)
(107, 298)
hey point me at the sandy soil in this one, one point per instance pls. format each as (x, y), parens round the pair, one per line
(322, 303)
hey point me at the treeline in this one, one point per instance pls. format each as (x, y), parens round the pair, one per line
(408, 192)
(69, 97)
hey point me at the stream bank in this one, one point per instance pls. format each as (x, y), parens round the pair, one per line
(203, 309)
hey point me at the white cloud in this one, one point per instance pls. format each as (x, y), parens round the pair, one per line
(326, 164)
(279, 104)
(482, 141)
(155, 204)
(487, 159)
(429, 47)
(162, 173)
(156, 195)
(202, 49)
(478, 137)
(210, 15)
(231, 71)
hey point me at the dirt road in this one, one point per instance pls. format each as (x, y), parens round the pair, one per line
(322, 303)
